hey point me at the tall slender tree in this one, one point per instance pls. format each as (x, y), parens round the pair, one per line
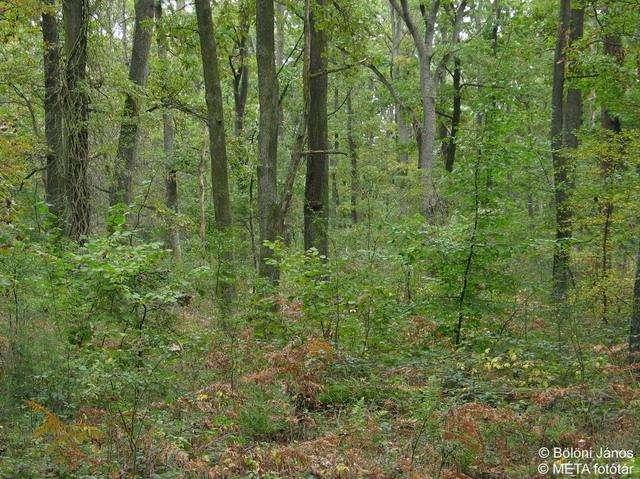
(239, 63)
(353, 157)
(168, 131)
(76, 115)
(317, 178)
(403, 136)
(54, 185)
(563, 221)
(126, 158)
(217, 137)
(423, 42)
(268, 207)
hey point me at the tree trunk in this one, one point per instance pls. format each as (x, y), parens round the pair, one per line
(317, 177)
(612, 48)
(215, 115)
(76, 111)
(427, 128)
(217, 141)
(353, 156)
(268, 95)
(451, 145)
(563, 215)
(241, 74)
(202, 205)
(611, 122)
(400, 113)
(126, 159)
(54, 185)
(170, 179)
(333, 162)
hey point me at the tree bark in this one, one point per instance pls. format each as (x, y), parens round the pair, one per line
(217, 140)
(424, 48)
(76, 111)
(268, 96)
(215, 115)
(54, 185)
(333, 162)
(170, 178)
(612, 48)
(353, 157)
(400, 114)
(608, 121)
(317, 178)
(240, 74)
(126, 158)
(451, 144)
(563, 215)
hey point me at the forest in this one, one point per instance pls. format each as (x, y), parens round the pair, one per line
(297, 239)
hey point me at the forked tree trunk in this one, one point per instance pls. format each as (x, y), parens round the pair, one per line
(423, 42)
(76, 116)
(126, 158)
(317, 178)
(268, 96)
(54, 184)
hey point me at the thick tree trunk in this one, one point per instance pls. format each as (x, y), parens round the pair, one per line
(563, 214)
(217, 140)
(76, 111)
(54, 185)
(126, 158)
(317, 178)
(353, 157)
(268, 96)
(170, 178)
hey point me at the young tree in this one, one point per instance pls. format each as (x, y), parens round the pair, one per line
(76, 134)
(317, 177)
(126, 159)
(54, 185)
(267, 135)
(563, 216)
(353, 157)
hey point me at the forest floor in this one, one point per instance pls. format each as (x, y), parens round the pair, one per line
(240, 405)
